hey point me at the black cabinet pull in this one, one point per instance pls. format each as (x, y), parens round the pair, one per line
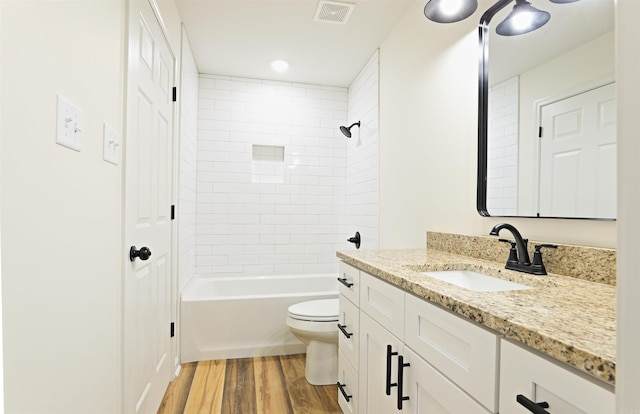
(535, 408)
(344, 331)
(401, 366)
(389, 384)
(344, 393)
(344, 282)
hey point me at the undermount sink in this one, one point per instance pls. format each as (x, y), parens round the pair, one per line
(475, 281)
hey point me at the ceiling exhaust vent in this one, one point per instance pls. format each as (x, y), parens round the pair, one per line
(333, 12)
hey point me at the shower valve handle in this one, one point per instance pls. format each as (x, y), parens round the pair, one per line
(355, 239)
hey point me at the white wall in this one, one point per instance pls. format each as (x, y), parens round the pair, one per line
(628, 94)
(61, 209)
(291, 219)
(428, 139)
(362, 195)
(186, 213)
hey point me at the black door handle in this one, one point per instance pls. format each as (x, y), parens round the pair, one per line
(535, 408)
(143, 253)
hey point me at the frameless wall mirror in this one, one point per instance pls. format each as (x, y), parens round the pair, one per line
(547, 114)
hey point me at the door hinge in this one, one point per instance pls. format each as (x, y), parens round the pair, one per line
(175, 94)
(539, 132)
(173, 329)
(173, 212)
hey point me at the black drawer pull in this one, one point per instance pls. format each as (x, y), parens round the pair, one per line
(535, 408)
(344, 393)
(344, 331)
(389, 384)
(401, 367)
(344, 282)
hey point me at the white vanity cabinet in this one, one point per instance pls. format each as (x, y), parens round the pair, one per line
(407, 355)
(392, 377)
(348, 338)
(534, 380)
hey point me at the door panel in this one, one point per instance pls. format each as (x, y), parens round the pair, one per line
(148, 181)
(374, 340)
(578, 156)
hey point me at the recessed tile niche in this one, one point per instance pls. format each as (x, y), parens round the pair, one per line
(267, 164)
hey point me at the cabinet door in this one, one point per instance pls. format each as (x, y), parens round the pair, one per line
(349, 335)
(525, 374)
(383, 302)
(430, 392)
(375, 375)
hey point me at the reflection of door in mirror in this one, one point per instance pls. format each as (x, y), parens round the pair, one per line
(578, 156)
(571, 54)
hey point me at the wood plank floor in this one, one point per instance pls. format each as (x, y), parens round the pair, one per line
(261, 385)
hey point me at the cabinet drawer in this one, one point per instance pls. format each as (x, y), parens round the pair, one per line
(349, 319)
(539, 380)
(431, 392)
(383, 302)
(348, 380)
(349, 282)
(465, 353)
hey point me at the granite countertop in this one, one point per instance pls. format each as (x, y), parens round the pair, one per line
(568, 319)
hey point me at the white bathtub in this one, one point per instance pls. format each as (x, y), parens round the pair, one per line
(245, 316)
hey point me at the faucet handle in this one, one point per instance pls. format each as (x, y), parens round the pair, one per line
(513, 253)
(548, 246)
(537, 265)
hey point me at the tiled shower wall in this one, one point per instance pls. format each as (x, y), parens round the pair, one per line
(271, 177)
(362, 155)
(188, 157)
(502, 150)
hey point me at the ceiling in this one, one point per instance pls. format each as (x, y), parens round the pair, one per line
(242, 37)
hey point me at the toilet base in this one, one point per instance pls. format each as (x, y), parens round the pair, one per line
(321, 367)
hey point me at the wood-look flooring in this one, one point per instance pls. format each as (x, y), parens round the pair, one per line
(261, 385)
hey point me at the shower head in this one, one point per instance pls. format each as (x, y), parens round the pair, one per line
(347, 131)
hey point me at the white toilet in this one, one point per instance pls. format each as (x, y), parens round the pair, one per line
(315, 323)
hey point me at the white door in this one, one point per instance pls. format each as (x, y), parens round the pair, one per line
(148, 183)
(374, 374)
(578, 156)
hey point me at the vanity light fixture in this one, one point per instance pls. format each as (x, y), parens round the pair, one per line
(524, 18)
(449, 11)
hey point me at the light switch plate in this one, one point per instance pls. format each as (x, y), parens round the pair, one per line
(111, 145)
(69, 125)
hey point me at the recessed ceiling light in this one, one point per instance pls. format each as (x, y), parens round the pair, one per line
(279, 65)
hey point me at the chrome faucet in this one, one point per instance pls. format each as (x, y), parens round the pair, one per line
(519, 256)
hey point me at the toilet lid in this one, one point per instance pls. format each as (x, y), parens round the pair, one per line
(316, 310)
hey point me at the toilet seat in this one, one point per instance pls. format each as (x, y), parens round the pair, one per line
(325, 310)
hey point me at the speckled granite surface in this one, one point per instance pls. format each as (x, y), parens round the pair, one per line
(588, 263)
(566, 318)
